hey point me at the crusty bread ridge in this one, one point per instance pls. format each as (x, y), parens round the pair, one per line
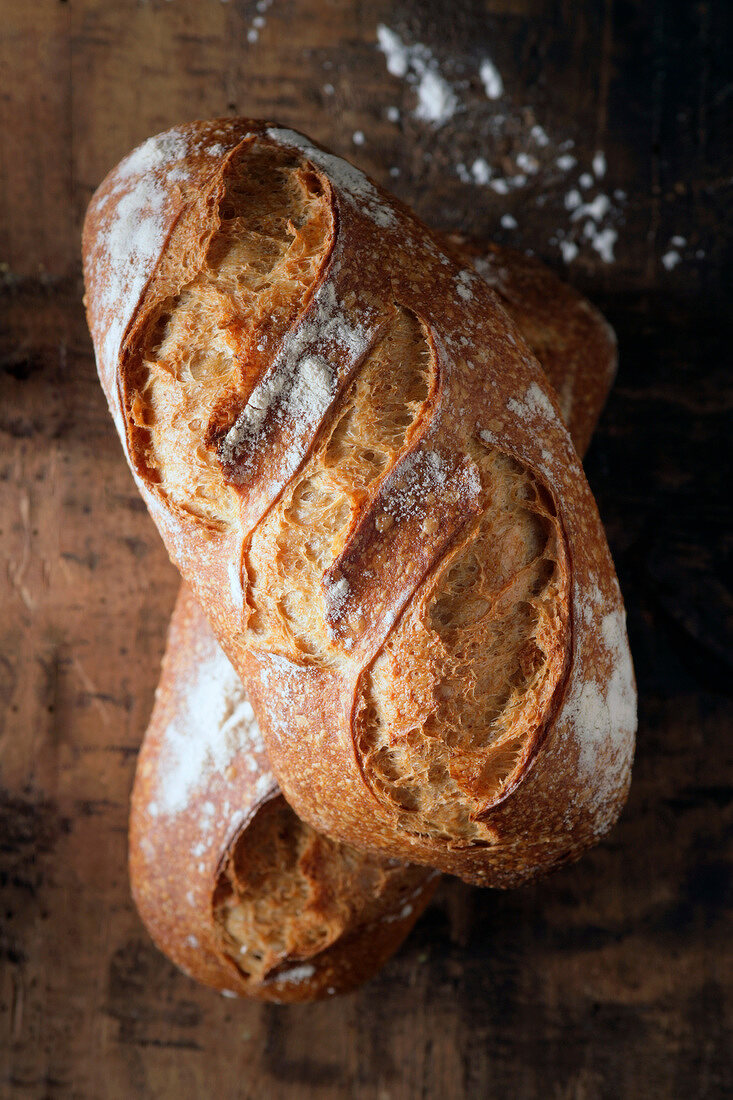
(239, 892)
(380, 510)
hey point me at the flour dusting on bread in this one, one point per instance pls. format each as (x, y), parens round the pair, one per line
(133, 238)
(601, 710)
(216, 727)
(534, 404)
(298, 390)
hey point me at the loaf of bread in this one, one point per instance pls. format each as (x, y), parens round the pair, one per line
(358, 466)
(231, 885)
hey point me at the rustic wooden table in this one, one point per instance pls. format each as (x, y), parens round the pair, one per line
(611, 979)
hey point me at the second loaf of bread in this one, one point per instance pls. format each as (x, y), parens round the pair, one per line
(358, 466)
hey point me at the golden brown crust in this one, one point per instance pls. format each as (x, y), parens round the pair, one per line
(203, 782)
(490, 398)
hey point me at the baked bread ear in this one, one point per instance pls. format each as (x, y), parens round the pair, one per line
(231, 885)
(357, 464)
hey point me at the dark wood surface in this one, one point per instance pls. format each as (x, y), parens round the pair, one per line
(611, 978)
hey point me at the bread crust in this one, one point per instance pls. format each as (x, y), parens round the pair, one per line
(573, 775)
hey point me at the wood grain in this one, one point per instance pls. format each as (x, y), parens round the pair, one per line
(610, 979)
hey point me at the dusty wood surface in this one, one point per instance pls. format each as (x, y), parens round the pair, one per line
(610, 979)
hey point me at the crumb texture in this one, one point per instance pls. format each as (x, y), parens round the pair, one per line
(209, 345)
(287, 893)
(451, 708)
(302, 536)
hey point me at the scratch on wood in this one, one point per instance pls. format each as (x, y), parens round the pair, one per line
(91, 689)
(17, 572)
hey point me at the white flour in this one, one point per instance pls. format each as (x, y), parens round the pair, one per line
(534, 158)
(216, 726)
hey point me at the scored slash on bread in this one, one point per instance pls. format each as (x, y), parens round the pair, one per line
(373, 497)
(230, 884)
